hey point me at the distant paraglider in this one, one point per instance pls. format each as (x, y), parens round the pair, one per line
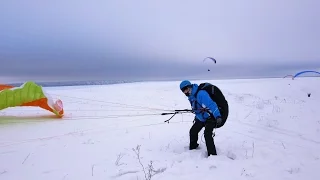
(214, 60)
(211, 59)
(299, 73)
(303, 72)
(289, 76)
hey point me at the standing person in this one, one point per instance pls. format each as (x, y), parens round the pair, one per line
(211, 111)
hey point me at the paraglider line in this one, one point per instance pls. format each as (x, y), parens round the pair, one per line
(115, 103)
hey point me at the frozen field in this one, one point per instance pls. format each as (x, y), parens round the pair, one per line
(115, 131)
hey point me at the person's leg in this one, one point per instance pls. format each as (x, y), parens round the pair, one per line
(210, 125)
(194, 131)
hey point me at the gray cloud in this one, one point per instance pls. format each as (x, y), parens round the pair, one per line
(121, 39)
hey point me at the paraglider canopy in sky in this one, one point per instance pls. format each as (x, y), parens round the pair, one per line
(303, 72)
(211, 60)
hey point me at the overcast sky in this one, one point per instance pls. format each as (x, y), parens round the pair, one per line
(117, 39)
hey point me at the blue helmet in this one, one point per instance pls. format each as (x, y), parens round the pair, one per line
(185, 84)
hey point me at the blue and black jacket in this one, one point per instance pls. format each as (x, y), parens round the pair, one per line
(202, 104)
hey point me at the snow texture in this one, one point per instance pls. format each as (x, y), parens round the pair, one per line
(117, 132)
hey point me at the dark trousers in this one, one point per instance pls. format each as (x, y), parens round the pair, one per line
(194, 131)
(209, 125)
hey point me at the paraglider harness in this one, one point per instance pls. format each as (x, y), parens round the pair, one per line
(214, 94)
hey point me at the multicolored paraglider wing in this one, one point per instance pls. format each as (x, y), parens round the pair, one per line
(4, 86)
(28, 94)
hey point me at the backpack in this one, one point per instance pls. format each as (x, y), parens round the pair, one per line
(214, 92)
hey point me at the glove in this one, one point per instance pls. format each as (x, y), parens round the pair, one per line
(218, 121)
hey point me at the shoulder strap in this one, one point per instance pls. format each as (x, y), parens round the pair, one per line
(200, 87)
(207, 87)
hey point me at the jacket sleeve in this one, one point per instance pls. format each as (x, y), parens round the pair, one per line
(204, 99)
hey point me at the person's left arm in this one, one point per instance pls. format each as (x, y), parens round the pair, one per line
(204, 99)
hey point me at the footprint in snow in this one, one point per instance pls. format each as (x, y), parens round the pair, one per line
(213, 167)
(231, 155)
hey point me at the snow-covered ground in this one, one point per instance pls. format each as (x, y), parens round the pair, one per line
(110, 132)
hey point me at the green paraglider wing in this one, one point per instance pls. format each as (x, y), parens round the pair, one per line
(18, 96)
(28, 94)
